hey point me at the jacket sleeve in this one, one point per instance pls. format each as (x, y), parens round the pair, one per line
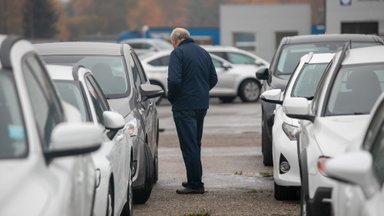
(174, 75)
(212, 76)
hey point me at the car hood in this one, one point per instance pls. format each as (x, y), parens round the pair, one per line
(20, 191)
(335, 134)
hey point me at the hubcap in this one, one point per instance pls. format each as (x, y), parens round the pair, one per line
(251, 91)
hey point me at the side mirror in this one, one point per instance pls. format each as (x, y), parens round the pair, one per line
(113, 122)
(262, 73)
(226, 66)
(354, 168)
(272, 96)
(298, 107)
(70, 139)
(150, 91)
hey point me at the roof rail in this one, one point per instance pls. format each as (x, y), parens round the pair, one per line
(5, 50)
(75, 71)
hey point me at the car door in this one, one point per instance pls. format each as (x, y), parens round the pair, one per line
(226, 78)
(147, 106)
(75, 176)
(119, 152)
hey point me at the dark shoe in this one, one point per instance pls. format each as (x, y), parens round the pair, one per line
(184, 184)
(189, 190)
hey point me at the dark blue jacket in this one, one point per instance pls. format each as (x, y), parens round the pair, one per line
(191, 74)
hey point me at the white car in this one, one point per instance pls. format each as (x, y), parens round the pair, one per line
(44, 147)
(360, 172)
(233, 80)
(113, 161)
(237, 56)
(303, 83)
(148, 45)
(335, 119)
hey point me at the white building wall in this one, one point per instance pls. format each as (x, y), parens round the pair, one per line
(357, 11)
(264, 20)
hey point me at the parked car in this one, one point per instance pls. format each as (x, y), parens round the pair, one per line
(113, 161)
(44, 147)
(148, 45)
(283, 63)
(123, 81)
(233, 80)
(359, 172)
(303, 83)
(237, 56)
(335, 119)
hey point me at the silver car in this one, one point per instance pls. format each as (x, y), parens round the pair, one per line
(123, 81)
(233, 80)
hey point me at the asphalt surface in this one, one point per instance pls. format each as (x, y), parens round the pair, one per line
(236, 181)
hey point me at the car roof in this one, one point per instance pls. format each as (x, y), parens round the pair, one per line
(60, 72)
(142, 40)
(80, 48)
(330, 37)
(372, 54)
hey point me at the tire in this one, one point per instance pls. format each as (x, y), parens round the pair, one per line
(285, 193)
(141, 196)
(266, 145)
(227, 99)
(110, 202)
(249, 91)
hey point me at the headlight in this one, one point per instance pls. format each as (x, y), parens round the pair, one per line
(290, 130)
(132, 128)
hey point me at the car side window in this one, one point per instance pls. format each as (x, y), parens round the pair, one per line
(160, 62)
(142, 75)
(45, 105)
(217, 63)
(220, 54)
(98, 98)
(237, 58)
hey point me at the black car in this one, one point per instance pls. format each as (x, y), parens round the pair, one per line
(284, 62)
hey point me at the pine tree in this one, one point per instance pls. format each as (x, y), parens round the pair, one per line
(39, 19)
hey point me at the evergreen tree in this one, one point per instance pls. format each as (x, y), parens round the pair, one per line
(39, 19)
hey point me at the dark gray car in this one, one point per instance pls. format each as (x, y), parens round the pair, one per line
(284, 62)
(124, 83)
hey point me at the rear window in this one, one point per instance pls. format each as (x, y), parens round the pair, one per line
(109, 71)
(291, 53)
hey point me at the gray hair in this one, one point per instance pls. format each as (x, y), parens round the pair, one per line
(179, 34)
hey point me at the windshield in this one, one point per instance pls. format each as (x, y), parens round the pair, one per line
(109, 71)
(308, 80)
(356, 89)
(70, 92)
(291, 54)
(13, 141)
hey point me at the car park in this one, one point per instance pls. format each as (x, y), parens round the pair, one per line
(148, 45)
(237, 56)
(45, 148)
(233, 80)
(283, 63)
(335, 119)
(303, 83)
(123, 81)
(113, 161)
(359, 172)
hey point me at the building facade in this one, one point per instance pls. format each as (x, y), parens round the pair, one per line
(355, 16)
(259, 27)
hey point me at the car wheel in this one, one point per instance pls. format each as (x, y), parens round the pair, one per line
(141, 195)
(249, 90)
(266, 145)
(227, 99)
(285, 193)
(110, 202)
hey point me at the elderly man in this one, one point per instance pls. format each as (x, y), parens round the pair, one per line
(191, 74)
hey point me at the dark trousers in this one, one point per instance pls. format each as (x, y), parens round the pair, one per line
(189, 126)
